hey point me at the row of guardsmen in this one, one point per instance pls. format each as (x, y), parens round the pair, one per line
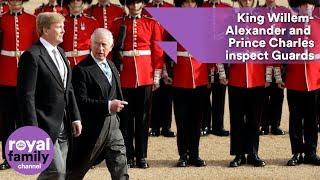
(255, 90)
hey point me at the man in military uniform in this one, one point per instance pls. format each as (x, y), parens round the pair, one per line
(246, 86)
(78, 29)
(303, 90)
(142, 63)
(218, 90)
(18, 34)
(161, 112)
(51, 6)
(271, 115)
(105, 12)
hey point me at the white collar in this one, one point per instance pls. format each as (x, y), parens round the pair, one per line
(98, 61)
(47, 45)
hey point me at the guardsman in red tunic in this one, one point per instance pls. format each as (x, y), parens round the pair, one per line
(51, 6)
(218, 90)
(303, 91)
(271, 115)
(3, 7)
(18, 34)
(142, 63)
(105, 12)
(247, 82)
(78, 29)
(161, 112)
(190, 80)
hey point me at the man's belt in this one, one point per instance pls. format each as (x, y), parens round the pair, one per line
(11, 53)
(183, 54)
(77, 53)
(136, 53)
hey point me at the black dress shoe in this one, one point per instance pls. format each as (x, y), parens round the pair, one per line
(255, 160)
(295, 160)
(142, 163)
(277, 131)
(238, 161)
(220, 132)
(168, 133)
(130, 163)
(154, 132)
(197, 162)
(5, 165)
(264, 130)
(312, 159)
(183, 161)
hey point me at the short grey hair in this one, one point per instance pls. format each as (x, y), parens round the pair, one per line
(102, 32)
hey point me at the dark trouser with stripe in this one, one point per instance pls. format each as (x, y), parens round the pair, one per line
(8, 113)
(245, 106)
(303, 109)
(161, 113)
(135, 120)
(188, 104)
(273, 106)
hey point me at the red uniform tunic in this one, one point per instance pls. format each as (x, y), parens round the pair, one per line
(76, 40)
(306, 76)
(51, 8)
(141, 56)
(105, 14)
(163, 4)
(18, 34)
(188, 72)
(3, 8)
(247, 75)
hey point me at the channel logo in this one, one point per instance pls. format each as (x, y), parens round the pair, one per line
(29, 150)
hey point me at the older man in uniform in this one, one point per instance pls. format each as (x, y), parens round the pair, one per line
(18, 33)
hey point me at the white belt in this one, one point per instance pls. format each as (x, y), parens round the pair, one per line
(136, 53)
(11, 53)
(77, 53)
(183, 54)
